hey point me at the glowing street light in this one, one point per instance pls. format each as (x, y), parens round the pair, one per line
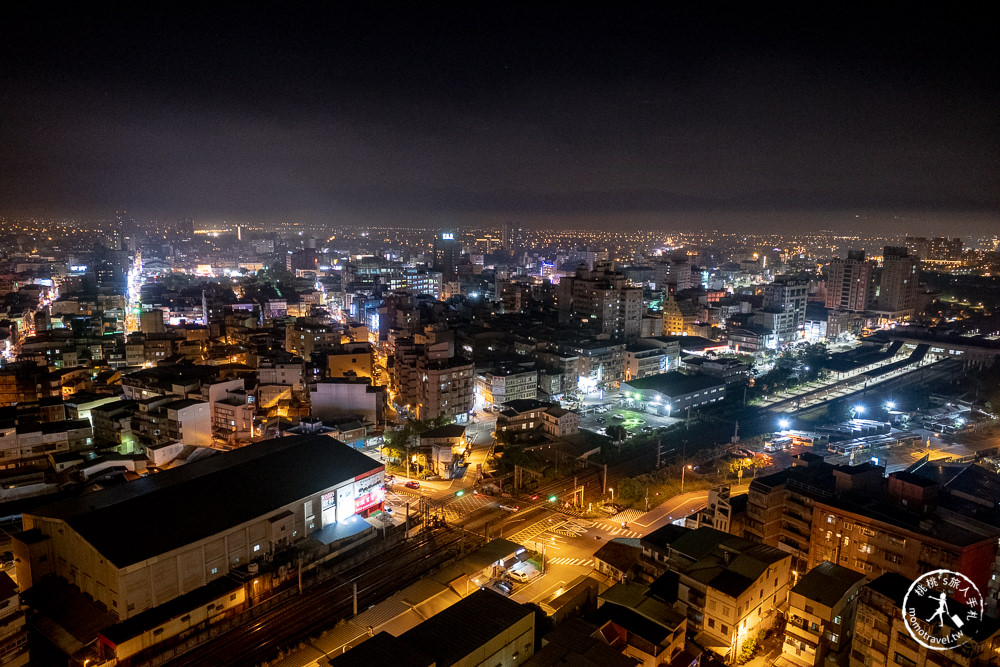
(890, 405)
(784, 424)
(684, 470)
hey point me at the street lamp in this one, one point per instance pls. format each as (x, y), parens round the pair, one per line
(857, 411)
(684, 470)
(612, 494)
(784, 424)
(890, 405)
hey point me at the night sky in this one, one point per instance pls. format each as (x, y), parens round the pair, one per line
(697, 113)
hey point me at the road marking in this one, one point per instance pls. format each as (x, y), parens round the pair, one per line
(534, 530)
(582, 562)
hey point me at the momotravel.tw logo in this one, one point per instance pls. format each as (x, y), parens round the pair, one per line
(942, 609)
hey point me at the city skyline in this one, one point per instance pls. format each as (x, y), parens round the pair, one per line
(670, 117)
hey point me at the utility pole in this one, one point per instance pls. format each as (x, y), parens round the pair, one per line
(659, 450)
(355, 596)
(605, 478)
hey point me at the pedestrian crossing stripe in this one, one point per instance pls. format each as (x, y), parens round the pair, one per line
(585, 562)
(619, 531)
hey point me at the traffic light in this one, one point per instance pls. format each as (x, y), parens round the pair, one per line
(552, 499)
(459, 494)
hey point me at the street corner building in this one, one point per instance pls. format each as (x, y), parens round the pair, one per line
(135, 548)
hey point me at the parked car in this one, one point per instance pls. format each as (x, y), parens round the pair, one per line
(518, 575)
(602, 420)
(505, 586)
(412, 484)
(617, 416)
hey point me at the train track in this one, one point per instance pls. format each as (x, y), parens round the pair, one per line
(322, 606)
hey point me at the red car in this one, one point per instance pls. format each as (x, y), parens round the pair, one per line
(412, 485)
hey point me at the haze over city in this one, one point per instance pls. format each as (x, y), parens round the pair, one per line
(673, 115)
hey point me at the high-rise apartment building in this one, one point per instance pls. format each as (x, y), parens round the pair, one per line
(604, 297)
(429, 380)
(850, 283)
(900, 280)
(447, 251)
(784, 309)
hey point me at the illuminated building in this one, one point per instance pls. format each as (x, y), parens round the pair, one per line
(192, 525)
(850, 284)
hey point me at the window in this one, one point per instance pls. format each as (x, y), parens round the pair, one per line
(232, 598)
(836, 620)
(725, 629)
(901, 659)
(214, 570)
(711, 623)
(256, 548)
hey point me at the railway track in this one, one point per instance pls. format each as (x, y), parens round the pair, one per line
(322, 606)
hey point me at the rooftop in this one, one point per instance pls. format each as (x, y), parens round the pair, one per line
(827, 583)
(480, 617)
(222, 491)
(674, 383)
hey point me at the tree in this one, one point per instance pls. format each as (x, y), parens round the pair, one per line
(617, 433)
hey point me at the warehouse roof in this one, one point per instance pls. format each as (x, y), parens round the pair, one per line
(674, 383)
(145, 518)
(465, 626)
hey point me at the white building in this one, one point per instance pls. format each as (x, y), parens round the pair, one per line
(505, 384)
(140, 545)
(337, 397)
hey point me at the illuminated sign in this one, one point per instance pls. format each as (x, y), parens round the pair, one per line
(368, 492)
(448, 236)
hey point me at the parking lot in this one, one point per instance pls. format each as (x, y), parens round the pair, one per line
(634, 421)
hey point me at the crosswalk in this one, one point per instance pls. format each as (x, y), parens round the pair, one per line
(617, 529)
(626, 516)
(582, 562)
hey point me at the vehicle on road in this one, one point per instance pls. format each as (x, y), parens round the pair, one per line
(518, 575)
(617, 416)
(412, 484)
(509, 508)
(611, 508)
(601, 420)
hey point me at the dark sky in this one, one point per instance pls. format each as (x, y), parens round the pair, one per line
(632, 113)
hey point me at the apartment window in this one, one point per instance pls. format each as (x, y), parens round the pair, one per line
(836, 620)
(809, 609)
(256, 548)
(711, 623)
(232, 598)
(901, 659)
(214, 570)
(830, 518)
(724, 629)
